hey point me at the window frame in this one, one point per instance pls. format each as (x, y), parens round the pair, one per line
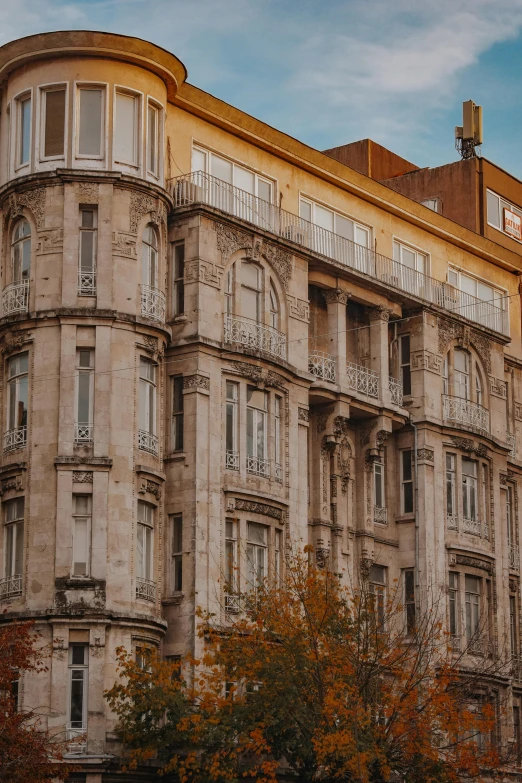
(409, 599)
(230, 571)
(232, 424)
(176, 531)
(84, 668)
(159, 109)
(406, 481)
(503, 297)
(258, 175)
(14, 380)
(257, 548)
(151, 386)
(43, 90)
(405, 364)
(20, 242)
(402, 244)
(83, 230)
(356, 223)
(135, 166)
(379, 590)
(147, 554)
(177, 304)
(379, 471)
(90, 371)
(88, 159)
(178, 414)
(18, 100)
(76, 516)
(451, 481)
(258, 414)
(17, 524)
(503, 203)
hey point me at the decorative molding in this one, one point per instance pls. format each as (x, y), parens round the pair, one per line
(322, 553)
(452, 330)
(82, 477)
(482, 345)
(471, 562)
(498, 388)
(279, 259)
(151, 345)
(335, 296)
(379, 313)
(250, 371)
(254, 507)
(231, 239)
(513, 584)
(448, 331)
(426, 455)
(503, 479)
(88, 192)
(322, 417)
(15, 482)
(196, 382)
(150, 487)
(381, 437)
(365, 433)
(33, 200)
(302, 414)
(50, 241)
(275, 380)
(140, 204)
(426, 360)
(518, 411)
(341, 426)
(298, 308)
(466, 444)
(124, 244)
(13, 341)
(200, 271)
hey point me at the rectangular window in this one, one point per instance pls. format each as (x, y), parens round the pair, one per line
(230, 564)
(153, 116)
(451, 484)
(17, 388)
(229, 291)
(513, 635)
(14, 542)
(147, 412)
(469, 489)
(405, 363)
(517, 736)
(509, 517)
(54, 123)
(256, 431)
(485, 503)
(409, 599)
(231, 426)
(504, 215)
(84, 396)
(277, 437)
(178, 278)
(78, 687)
(338, 224)
(90, 131)
(177, 413)
(278, 554)
(177, 552)
(453, 603)
(472, 604)
(81, 535)
(406, 481)
(377, 587)
(88, 249)
(239, 176)
(378, 485)
(257, 552)
(24, 130)
(126, 127)
(144, 542)
(410, 257)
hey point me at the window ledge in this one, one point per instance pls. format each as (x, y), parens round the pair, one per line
(175, 456)
(405, 518)
(173, 600)
(180, 319)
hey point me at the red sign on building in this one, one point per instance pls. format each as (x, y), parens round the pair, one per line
(512, 224)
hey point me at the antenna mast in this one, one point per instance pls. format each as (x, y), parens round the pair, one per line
(468, 136)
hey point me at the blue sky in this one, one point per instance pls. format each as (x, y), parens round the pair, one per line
(331, 71)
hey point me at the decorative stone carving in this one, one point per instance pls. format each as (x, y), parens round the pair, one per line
(50, 241)
(82, 477)
(230, 239)
(196, 382)
(365, 433)
(322, 553)
(12, 341)
(336, 296)
(503, 479)
(33, 200)
(380, 438)
(513, 585)
(140, 204)
(298, 308)
(466, 444)
(322, 417)
(379, 313)
(425, 455)
(448, 331)
(88, 192)
(302, 414)
(278, 259)
(426, 360)
(150, 343)
(258, 508)
(15, 482)
(473, 562)
(340, 426)
(124, 244)
(205, 272)
(151, 487)
(275, 380)
(452, 330)
(482, 345)
(250, 371)
(518, 411)
(498, 388)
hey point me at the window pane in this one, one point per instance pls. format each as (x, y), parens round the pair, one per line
(264, 190)
(343, 227)
(90, 122)
(362, 236)
(80, 546)
(152, 140)
(84, 394)
(305, 210)
(244, 179)
(125, 140)
(25, 131)
(54, 123)
(199, 160)
(406, 465)
(87, 251)
(257, 534)
(408, 257)
(221, 168)
(323, 217)
(493, 210)
(77, 697)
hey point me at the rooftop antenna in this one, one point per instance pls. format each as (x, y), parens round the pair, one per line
(468, 136)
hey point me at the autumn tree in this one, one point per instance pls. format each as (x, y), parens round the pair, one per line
(27, 751)
(320, 681)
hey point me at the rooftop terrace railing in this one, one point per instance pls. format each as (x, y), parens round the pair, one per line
(202, 188)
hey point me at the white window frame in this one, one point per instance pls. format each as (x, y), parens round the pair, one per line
(17, 121)
(379, 589)
(405, 481)
(257, 415)
(470, 488)
(80, 370)
(147, 523)
(451, 485)
(502, 301)
(43, 90)
(82, 159)
(472, 608)
(148, 386)
(232, 406)
(454, 579)
(502, 203)
(14, 381)
(357, 224)
(401, 245)
(258, 174)
(379, 474)
(160, 115)
(134, 167)
(88, 230)
(72, 667)
(253, 550)
(77, 517)
(278, 406)
(178, 279)
(231, 578)
(17, 525)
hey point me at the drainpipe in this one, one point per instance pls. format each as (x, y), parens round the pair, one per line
(416, 509)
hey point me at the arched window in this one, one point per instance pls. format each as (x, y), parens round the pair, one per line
(21, 251)
(274, 307)
(149, 257)
(251, 288)
(461, 374)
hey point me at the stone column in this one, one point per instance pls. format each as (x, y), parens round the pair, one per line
(379, 350)
(336, 301)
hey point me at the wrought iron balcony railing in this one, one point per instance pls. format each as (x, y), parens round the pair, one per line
(474, 527)
(465, 413)
(15, 438)
(231, 460)
(145, 589)
(152, 303)
(255, 336)
(380, 515)
(148, 442)
(202, 188)
(83, 433)
(511, 442)
(471, 526)
(15, 298)
(86, 283)
(363, 380)
(258, 466)
(481, 645)
(322, 365)
(11, 586)
(395, 387)
(514, 557)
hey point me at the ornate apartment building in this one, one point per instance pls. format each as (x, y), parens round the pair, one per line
(218, 344)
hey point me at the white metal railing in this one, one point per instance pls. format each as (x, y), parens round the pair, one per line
(86, 283)
(471, 526)
(511, 442)
(395, 387)
(75, 734)
(362, 380)
(231, 460)
(152, 303)
(202, 188)
(148, 442)
(83, 433)
(255, 336)
(15, 438)
(11, 585)
(15, 298)
(258, 466)
(322, 365)
(145, 589)
(380, 515)
(514, 557)
(465, 412)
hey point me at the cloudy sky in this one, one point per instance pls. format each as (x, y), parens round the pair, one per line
(331, 71)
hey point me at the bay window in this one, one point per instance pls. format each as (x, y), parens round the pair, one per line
(81, 535)
(21, 252)
(91, 121)
(149, 258)
(469, 489)
(257, 462)
(451, 487)
(13, 547)
(257, 553)
(277, 438)
(472, 605)
(147, 439)
(145, 552)
(53, 122)
(251, 289)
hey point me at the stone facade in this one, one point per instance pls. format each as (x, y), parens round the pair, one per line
(189, 372)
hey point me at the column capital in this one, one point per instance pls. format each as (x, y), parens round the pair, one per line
(380, 313)
(336, 296)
